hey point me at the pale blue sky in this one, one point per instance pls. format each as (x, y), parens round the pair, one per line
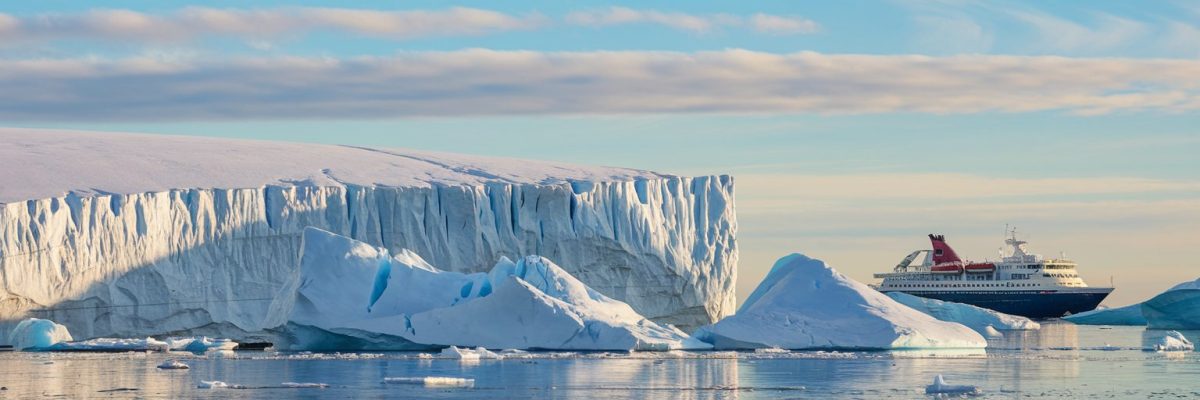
(1076, 121)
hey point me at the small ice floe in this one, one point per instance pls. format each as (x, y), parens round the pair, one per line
(467, 354)
(173, 364)
(1172, 341)
(991, 331)
(304, 385)
(939, 386)
(770, 350)
(218, 385)
(432, 381)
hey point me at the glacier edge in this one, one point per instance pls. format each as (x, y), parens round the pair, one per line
(213, 261)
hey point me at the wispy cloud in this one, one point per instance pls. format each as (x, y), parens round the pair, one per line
(486, 82)
(762, 23)
(194, 22)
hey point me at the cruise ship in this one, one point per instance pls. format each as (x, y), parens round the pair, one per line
(1020, 283)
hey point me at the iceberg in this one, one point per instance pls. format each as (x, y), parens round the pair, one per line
(107, 234)
(1165, 341)
(977, 318)
(173, 364)
(1176, 308)
(805, 304)
(355, 295)
(1128, 315)
(34, 333)
(939, 387)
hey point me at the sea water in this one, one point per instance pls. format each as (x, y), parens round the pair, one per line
(1060, 360)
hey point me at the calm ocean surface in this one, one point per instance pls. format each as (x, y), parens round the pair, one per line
(1061, 360)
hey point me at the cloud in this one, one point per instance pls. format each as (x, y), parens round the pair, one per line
(762, 23)
(193, 22)
(486, 82)
(780, 25)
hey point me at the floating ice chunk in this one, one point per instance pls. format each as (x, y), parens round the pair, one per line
(1128, 315)
(805, 304)
(939, 386)
(218, 385)
(35, 334)
(973, 317)
(1177, 308)
(200, 344)
(529, 304)
(771, 350)
(1172, 341)
(433, 381)
(173, 364)
(304, 385)
(991, 332)
(113, 345)
(478, 353)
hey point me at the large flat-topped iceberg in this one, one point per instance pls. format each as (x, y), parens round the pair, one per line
(54, 163)
(109, 233)
(805, 304)
(352, 293)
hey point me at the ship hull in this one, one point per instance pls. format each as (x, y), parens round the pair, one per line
(1027, 303)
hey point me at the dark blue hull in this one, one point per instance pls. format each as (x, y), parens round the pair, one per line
(1026, 303)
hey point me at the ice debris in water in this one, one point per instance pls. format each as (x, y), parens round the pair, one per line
(991, 331)
(173, 364)
(1173, 341)
(305, 385)
(218, 385)
(198, 345)
(35, 334)
(433, 381)
(469, 354)
(939, 386)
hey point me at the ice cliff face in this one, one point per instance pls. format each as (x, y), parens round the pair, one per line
(190, 234)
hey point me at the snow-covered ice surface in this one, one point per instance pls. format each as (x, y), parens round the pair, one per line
(34, 333)
(108, 233)
(805, 304)
(1176, 308)
(977, 318)
(1128, 315)
(353, 295)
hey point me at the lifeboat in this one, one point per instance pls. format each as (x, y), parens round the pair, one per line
(947, 268)
(981, 268)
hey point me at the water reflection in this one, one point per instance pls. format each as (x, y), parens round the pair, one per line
(1058, 361)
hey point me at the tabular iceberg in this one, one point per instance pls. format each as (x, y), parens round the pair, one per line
(1127, 315)
(805, 304)
(1177, 308)
(973, 317)
(108, 234)
(356, 295)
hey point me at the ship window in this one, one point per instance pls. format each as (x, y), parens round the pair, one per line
(937, 252)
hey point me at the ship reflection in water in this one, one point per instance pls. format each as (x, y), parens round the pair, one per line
(1060, 360)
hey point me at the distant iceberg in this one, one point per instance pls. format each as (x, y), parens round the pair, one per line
(1166, 341)
(1177, 308)
(1128, 315)
(805, 304)
(35, 333)
(976, 318)
(353, 295)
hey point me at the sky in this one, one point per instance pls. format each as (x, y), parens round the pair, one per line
(852, 129)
